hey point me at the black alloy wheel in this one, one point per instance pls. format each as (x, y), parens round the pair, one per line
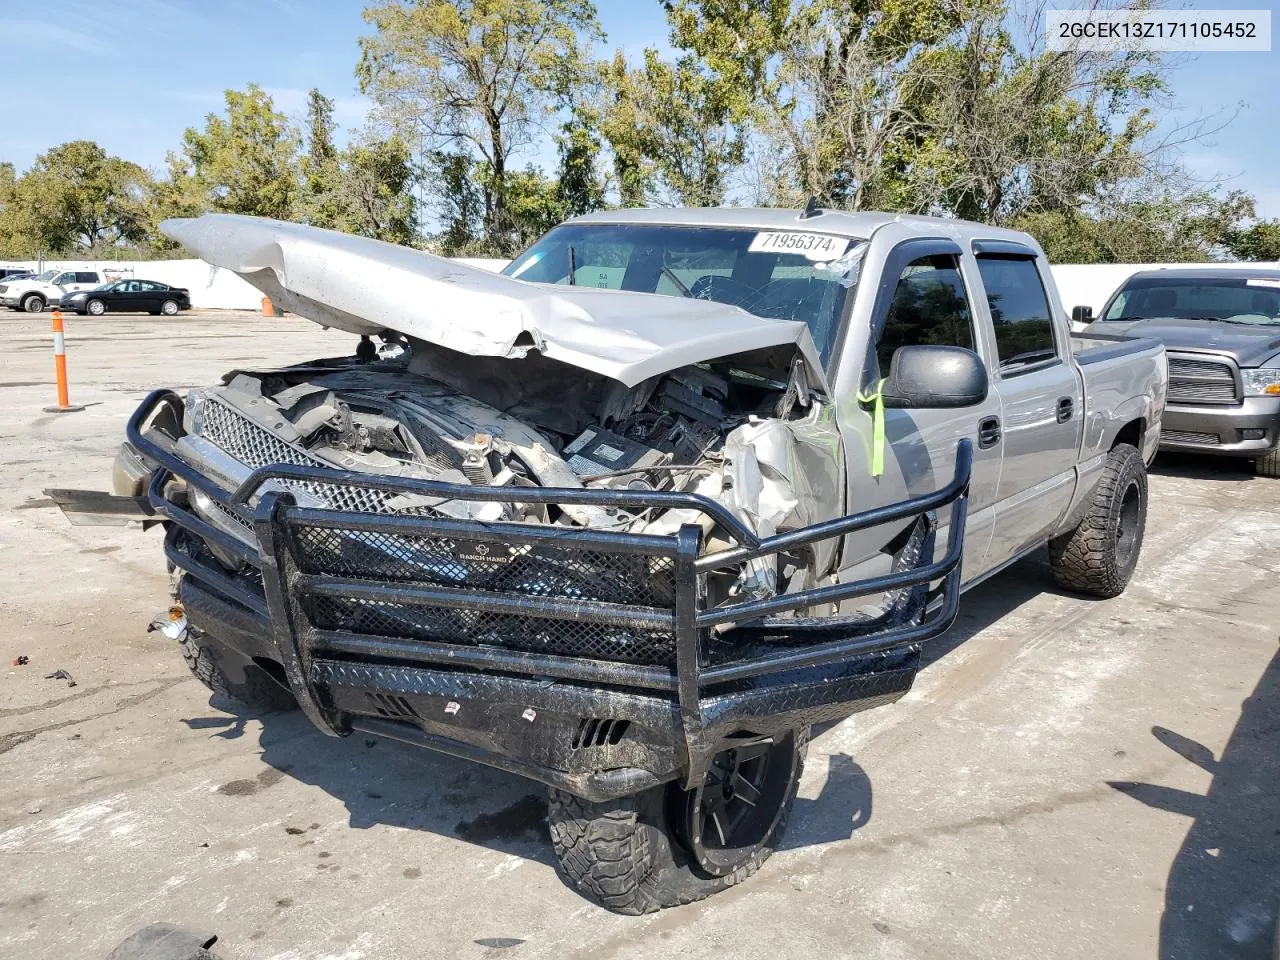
(725, 821)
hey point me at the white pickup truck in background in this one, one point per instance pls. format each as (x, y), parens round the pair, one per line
(36, 294)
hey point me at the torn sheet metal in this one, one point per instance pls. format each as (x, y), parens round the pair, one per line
(366, 286)
(783, 475)
(777, 475)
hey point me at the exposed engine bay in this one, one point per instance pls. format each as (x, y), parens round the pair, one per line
(748, 431)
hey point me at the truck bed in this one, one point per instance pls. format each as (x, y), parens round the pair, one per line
(1090, 348)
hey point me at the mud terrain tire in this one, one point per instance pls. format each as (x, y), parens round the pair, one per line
(1268, 466)
(1098, 557)
(258, 689)
(627, 854)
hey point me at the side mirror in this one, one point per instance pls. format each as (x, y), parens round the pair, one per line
(1082, 314)
(931, 376)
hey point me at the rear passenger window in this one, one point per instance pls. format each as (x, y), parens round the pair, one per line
(930, 306)
(1019, 312)
(86, 278)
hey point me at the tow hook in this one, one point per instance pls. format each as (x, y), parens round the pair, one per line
(172, 623)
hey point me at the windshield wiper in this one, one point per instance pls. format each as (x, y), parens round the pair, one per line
(573, 267)
(670, 275)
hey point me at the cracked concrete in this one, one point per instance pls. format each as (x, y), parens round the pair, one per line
(1068, 779)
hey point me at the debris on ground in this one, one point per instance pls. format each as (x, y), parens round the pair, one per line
(21, 661)
(164, 941)
(61, 675)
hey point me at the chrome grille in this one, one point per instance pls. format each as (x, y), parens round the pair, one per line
(255, 446)
(252, 445)
(1201, 381)
(1189, 436)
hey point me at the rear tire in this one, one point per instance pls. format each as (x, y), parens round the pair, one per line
(258, 689)
(1268, 466)
(635, 855)
(33, 303)
(1098, 557)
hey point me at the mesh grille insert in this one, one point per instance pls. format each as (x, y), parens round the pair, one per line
(255, 446)
(534, 570)
(249, 443)
(569, 638)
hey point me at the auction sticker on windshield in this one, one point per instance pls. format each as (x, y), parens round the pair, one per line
(813, 246)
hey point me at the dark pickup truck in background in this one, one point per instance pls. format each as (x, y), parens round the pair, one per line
(1221, 328)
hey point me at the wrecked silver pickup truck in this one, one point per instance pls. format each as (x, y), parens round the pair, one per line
(630, 518)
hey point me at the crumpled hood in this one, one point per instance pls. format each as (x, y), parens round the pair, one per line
(1248, 345)
(366, 286)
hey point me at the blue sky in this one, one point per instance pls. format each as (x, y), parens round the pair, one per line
(133, 74)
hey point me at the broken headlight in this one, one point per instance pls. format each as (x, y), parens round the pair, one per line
(193, 419)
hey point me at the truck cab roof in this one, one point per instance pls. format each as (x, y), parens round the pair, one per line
(861, 225)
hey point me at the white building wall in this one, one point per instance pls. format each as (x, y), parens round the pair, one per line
(210, 287)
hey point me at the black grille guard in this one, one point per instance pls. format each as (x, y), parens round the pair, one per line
(927, 590)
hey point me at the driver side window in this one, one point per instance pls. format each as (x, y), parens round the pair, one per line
(930, 306)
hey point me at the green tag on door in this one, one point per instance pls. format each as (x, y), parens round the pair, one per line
(876, 399)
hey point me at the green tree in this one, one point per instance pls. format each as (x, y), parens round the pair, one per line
(319, 164)
(579, 187)
(827, 85)
(1258, 241)
(1170, 223)
(478, 77)
(242, 162)
(77, 198)
(670, 128)
(1007, 131)
(533, 204)
(15, 243)
(932, 106)
(372, 191)
(459, 205)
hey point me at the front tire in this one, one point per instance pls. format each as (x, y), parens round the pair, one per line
(33, 303)
(642, 853)
(1098, 557)
(95, 308)
(257, 690)
(169, 308)
(1268, 466)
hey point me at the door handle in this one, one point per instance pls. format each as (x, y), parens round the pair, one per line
(988, 432)
(1065, 409)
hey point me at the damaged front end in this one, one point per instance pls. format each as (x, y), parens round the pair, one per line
(540, 568)
(749, 432)
(590, 536)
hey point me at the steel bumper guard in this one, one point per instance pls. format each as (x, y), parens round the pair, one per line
(535, 648)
